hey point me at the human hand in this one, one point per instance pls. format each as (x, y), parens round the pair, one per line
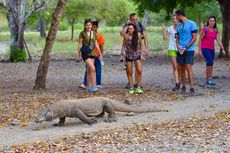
(223, 52)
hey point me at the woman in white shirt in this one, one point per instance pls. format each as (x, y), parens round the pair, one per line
(169, 33)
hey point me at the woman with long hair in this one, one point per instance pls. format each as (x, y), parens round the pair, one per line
(86, 44)
(133, 52)
(169, 33)
(206, 46)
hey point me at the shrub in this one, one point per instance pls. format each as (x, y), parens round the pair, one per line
(17, 54)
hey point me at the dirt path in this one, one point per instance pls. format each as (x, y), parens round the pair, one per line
(17, 80)
(195, 106)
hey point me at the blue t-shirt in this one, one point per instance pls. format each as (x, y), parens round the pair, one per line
(185, 31)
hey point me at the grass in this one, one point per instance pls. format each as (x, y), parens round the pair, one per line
(63, 44)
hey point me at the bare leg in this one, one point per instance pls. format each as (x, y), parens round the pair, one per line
(91, 74)
(181, 68)
(175, 69)
(129, 72)
(138, 72)
(209, 72)
(190, 75)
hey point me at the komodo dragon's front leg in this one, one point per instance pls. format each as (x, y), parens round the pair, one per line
(79, 114)
(61, 122)
(108, 108)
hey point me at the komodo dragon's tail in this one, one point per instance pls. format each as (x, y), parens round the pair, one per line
(121, 107)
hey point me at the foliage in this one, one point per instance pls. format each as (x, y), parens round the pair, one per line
(63, 26)
(17, 54)
(114, 12)
(168, 5)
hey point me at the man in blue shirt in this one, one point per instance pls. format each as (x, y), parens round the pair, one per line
(185, 39)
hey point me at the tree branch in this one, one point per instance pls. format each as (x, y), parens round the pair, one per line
(3, 4)
(34, 8)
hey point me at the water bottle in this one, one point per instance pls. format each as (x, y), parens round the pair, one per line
(180, 49)
(102, 62)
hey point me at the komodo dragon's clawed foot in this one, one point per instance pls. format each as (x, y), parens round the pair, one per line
(58, 124)
(111, 119)
(92, 121)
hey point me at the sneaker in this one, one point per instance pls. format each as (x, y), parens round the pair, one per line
(99, 86)
(183, 90)
(127, 86)
(211, 82)
(139, 90)
(131, 91)
(83, 86)
(135, 86)
(177, 87)
(92, 89)
(192, 92)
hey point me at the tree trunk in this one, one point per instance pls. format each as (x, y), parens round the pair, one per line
(21, 26)
(225, 11)
(12, 18)
(42, 25)
(72, 29)
(42, 71)
(145, 20)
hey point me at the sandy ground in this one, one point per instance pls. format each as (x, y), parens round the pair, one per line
(65, 75)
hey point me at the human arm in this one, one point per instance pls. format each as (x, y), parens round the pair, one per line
(123, 49)
(141, 46)
(165, 32)
(124, 29)
(220, 44)
(78, 56)
(199, 43)
(146, 42)
(99, 50)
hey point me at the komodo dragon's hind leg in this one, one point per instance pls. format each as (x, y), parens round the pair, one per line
(79, 114)
(108, 108)
(61, 122)
(101, 115)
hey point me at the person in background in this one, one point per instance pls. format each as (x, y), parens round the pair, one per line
(185, 39)
(133, 19)
(88, 39)
(133, 52)
(206, 46)
(97, 62)
(169, 33)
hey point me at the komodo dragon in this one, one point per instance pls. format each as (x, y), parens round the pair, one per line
(88, 107)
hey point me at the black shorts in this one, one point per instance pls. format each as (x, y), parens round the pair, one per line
(132, 60)
(186, 58)
(85, 57)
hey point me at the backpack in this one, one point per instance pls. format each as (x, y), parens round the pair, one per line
(206, 31)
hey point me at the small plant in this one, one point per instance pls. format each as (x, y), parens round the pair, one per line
(17, 54)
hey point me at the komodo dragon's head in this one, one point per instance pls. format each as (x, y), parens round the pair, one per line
(45, 115)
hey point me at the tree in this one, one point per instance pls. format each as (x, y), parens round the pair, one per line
(40, 82)
(74, 11)
(17, 16)
(170, 5)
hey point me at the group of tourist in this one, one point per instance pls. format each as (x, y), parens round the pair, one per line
(182, 36)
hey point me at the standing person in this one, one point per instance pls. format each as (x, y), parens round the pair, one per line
(132, 49)
(97, 61)
(185, 39)
(87, 43)
(133, 18)
(172, 49)
(206, 46)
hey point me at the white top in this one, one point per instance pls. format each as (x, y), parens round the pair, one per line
(172, 39)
